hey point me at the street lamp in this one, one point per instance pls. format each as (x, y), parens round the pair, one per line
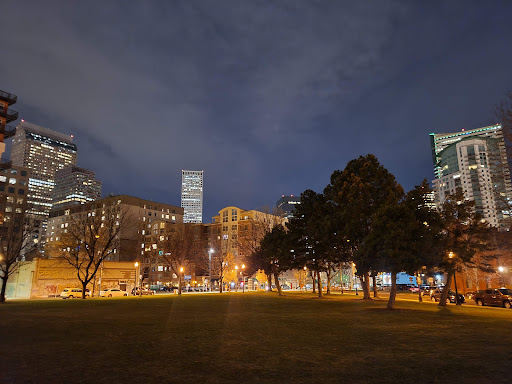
(179, 280)
(137, 277)
(243, 278)
(457, 301)
(502, 280)
(210, 251)
(354, 276)
(237, 283)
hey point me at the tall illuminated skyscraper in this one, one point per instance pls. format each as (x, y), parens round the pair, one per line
(476, 161)
(192, 196)
(43, 151)
(73, 186)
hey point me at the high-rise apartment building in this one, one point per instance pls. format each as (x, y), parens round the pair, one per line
(475, 160)
(43, 151)
(6, 116)
(13, 192)
(239, 231)
(192, 196)
(75, 185)
(140, 216)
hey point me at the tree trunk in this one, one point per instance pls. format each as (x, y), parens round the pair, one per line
(420, 294)
(221, 285)
(374, 279)
(392, 294)
(84, 287)
(366, 286)
(278, 285)
(320, 292)
(179, 284)
(269, 281)
(444, 294)
(4, 287)
(313, 276)
(328, 292)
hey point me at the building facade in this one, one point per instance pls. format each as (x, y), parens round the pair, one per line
(74, 186)
(192, 196)
(239, 231)
(142, 214)
(43, 151)
(477, 162)
(13, 192)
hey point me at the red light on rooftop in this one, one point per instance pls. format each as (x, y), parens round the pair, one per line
(22, 120)
(462, 129)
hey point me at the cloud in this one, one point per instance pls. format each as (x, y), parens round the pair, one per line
(253, 92)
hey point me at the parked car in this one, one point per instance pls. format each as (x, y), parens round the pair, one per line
(113, 292)
(436, 296)
(414, 289)
(144, 291)
(70, 293)
(501, 297)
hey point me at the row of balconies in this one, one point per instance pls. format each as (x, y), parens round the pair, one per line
(8, 97)
(9, 115)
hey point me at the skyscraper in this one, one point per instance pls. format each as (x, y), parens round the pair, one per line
(286, 204)
(192, 196)
(476, 161)
(43, 151)
(75, 185)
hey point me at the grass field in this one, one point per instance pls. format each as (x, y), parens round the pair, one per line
(256, 337)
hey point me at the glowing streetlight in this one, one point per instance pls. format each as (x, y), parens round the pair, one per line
(243, 278)
(179, 280)
(501, 269)
(137, 278)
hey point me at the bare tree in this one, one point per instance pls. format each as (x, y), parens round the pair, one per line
(15, 235)
(220, 259)
(91, 237)
(182, 246)
(253, 231)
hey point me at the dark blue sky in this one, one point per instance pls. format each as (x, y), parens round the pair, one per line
(267, 97)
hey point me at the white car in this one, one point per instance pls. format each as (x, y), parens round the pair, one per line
(111, 292)
(69, 293)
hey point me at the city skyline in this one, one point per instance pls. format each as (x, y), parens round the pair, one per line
(276, 97)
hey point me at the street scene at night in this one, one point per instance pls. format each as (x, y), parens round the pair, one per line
(274, 191)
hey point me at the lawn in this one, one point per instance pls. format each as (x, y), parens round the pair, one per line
(255, 337)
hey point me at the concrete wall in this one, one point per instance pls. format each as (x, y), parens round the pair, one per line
(19, 284)
(51, 276)
(48, 277)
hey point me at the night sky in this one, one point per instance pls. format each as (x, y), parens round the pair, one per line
(267, 97)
